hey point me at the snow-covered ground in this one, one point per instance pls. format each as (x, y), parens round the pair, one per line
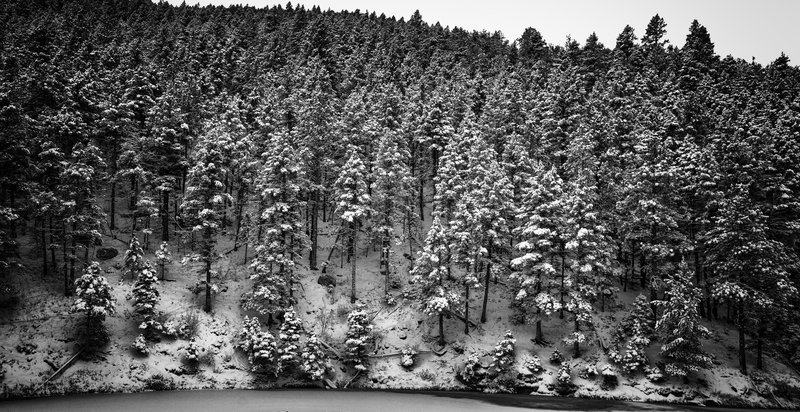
(39, 335)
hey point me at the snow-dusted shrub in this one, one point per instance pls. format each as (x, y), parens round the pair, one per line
(534, 364)
(94, 298)
(469, 374)
(358, 336)
(654, 374)
(556, 358)
(289, 336)
(315, 362)
(169, 329)
(188, 325)
(590, 372)
(609, 377)
(564, 380)
(140, 344)
(193, 352)
(408, 357)
(503, 356)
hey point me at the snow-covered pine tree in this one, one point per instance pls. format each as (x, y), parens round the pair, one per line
(133, 259)
(94, 298)
(146, 296)
(480, 223)
(315, 361)
(637, 328)
(288, 338)
(679, 326)
(359, 335)
(392, 195)
(205, 199)
(83, 216)
(438, 293)
(541, 229)
(278, 252)
(590, 255)
(353, 206)
(503, 357)
(750, 267)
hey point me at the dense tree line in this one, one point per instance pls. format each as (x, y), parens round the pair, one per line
(569, 171)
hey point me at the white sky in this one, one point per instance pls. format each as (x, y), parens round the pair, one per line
(742, 28)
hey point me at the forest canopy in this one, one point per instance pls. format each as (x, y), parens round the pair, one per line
(566, 170)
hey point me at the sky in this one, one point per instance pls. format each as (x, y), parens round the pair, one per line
(746, 29)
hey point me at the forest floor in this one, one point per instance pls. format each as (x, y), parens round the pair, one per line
(39, 334)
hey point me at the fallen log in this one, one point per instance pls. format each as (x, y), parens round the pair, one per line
(66, 365)
(331, 384)
(331, 349)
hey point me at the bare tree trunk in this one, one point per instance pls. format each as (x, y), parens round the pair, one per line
(466, 308)
(44, 250)
(353, 263)
(561, 290)
(441, 329)
(312, 254)
(742, 353)
(113, 206)
(486, 287)
(165, 216)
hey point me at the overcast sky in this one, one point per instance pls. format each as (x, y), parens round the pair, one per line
(756, 28)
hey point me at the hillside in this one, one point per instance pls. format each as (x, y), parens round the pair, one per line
(350, 200)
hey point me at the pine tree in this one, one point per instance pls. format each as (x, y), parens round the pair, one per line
(438, 289)
(480, 223)
(278, 253)
(289, 336)
(94, 298)
(679, 327)
(315, 361)
(541, 230)
(358, 337)
(146, 296)
(393, 196)
(352, 207)
(133, 259)
(205, 198)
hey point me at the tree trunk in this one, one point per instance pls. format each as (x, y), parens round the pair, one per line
(561, 291)
(466, 308)
(742, 354)
(353, 262)
(577, 344)
(132, 201)
(52, 244)
(760, 349)
(312, 254)
(44, 250)
(441, 329)
(165, 216)
(539, 337)
(486, 288)
(421, 199)
(113, 206)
